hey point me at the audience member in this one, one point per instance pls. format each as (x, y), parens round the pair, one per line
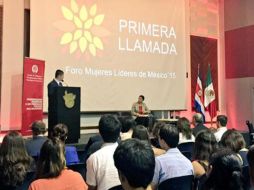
(221, 126)
(52, 172)
(198, 122)
(14, 162)
(140, 132)
(205, 145)
(234, 140)
(127, 128)
(225, 172)
(33, 146)
(173, 163)
(154, 137)
(101, 172)
(60, 131)
(135, 162)
(185, 133)
(94, 144)
(250, 158)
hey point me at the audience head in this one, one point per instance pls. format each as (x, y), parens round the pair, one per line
(140, 132)
(128, 123)
(38, 128)
(168, 136)
(225, 171)
(233, 140)
(221, 121)
(156, 129)
(14, 160)
(109, 128)
(250, 158)
(141, 98)
(60, 131)
(183, 125)
(52, 159)
(135, 162)
(197, 119)
(59, 75)
(205, 145)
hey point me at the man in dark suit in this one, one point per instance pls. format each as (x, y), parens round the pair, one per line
(198, 122)
(55, 83)
(33, 146)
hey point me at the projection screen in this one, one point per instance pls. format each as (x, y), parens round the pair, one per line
(114, 50)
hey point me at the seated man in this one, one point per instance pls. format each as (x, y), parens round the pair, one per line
(198, 122)
(173, 163)
(135, 162)
(101, 171)
(140, 112)
(221, 126)
(33, 146)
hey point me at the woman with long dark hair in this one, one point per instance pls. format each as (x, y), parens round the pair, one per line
(185, 132)
(52, 172)
(233, 140)
(60, 131)
(225, 172)
(140, 132)
(205, 145)
(14, 161)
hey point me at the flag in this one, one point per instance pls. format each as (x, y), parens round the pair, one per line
(199, 100)
(210, 101)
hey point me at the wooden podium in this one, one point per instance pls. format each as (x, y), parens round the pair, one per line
(64, 107)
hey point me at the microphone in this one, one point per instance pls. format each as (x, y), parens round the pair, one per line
(64, 83)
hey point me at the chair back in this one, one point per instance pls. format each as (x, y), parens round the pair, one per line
(177, 183)
(187, 154)
(186, 149)
(246, 176)
(71, 155)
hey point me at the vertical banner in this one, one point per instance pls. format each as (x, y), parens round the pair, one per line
(32, 100)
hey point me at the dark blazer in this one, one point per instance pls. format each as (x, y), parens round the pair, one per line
(94, 144)
(33, 146)
(51, 87)
(198, 128)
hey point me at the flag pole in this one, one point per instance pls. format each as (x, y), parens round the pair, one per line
(211, 122)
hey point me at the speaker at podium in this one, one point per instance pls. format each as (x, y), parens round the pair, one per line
(64, 107)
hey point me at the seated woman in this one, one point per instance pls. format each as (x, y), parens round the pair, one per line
(140, 112)
(14, 162)
(52, 172)
(140, 132)
(234, 141)
(205, 145)
(224, 172)
(60, 131)
(185, 133)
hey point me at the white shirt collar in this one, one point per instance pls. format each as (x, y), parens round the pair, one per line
(109, 144)
(58, 81)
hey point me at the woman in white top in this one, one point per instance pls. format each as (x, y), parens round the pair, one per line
(185, 133)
